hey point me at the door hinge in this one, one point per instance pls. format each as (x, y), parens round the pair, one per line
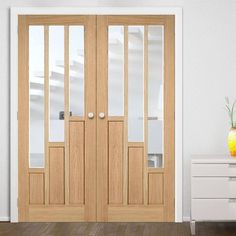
(17, 202)
(17, 115)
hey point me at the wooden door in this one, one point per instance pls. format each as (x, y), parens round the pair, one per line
(57, 125)
(96, 118)
(135, 123)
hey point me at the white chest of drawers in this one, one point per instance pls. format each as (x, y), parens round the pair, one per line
(213, 189)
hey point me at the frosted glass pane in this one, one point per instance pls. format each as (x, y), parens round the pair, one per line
(36, 99)
(155, 95)
(56, 83)
(116, 70)
(135, 84)
(76, 58)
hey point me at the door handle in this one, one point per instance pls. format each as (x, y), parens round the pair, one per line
(101, 115)
(90, 115)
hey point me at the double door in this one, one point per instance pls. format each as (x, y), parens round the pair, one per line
(96, 118)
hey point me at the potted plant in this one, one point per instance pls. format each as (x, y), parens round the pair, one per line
(232, 132)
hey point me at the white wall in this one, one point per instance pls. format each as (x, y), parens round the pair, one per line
(209, 69)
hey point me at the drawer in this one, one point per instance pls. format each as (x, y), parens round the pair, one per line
(213, 187)
(213, 209)
(213, 169)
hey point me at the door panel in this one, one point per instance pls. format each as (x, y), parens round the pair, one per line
(135, 74)
(115, 154)
(56, 175)
(36, 185)
(135, 175)
(76, 164)
(57, 82)
(155, 183)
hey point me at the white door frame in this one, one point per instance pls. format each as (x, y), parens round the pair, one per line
(96, 11)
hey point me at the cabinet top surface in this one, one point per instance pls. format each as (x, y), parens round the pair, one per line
(213, 159)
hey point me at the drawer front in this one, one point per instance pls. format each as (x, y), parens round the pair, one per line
(213, 169)
(213, 187)
(213, 209)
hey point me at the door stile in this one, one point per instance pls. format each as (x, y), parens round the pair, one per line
(169, 124)
(46, 111)
(125, 163)
(102, 96)
(23, 118)
(66, 112)
(90, 124)
(145, 148)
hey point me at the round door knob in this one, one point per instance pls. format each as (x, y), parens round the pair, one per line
(90, 115)
(101, 115)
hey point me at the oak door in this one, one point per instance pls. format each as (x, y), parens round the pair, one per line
(57, 128)
(96, 118)
(135, 124)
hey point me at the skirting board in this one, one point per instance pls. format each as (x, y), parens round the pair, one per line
(4, 218)
(186, 218)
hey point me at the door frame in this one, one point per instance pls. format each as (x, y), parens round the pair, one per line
(16, 11)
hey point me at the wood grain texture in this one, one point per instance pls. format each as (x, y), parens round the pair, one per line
(46, 111)
(66, 113)
(102, 126)
(36, 170)
(115, 155)
(125, 166)
(23, 118)
(56, 214)
(136, 20)
(145, 149)
(155, 170)
(155, 188)
(136, 144)
(141, 196)
(76, 118)
(169, 116)
(135, 214)
(56, 168)
(56, 144)
(135, 186)
(96, 144)
(76, 163)
(90, 124)
(36, 186)
(56, 19)
(115, 118)
(56, 175)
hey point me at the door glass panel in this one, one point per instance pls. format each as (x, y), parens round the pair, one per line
(135, 84)
(56, 83)
(36, 96)
(76, 58)
(155, 95)
(116, 71)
